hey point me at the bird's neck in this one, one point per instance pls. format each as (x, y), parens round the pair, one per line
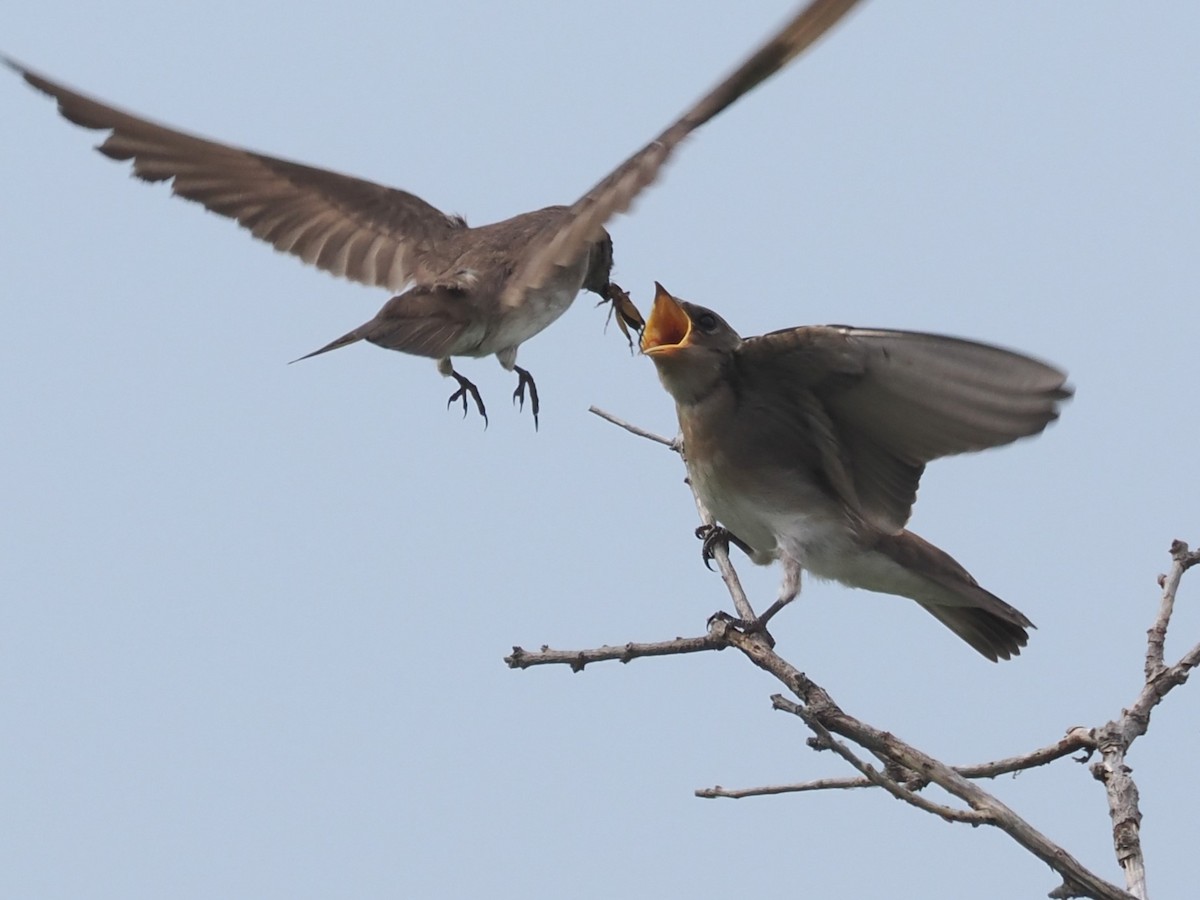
(697, 382)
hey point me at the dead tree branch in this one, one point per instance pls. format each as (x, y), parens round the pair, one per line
(1077, 738)
(1115, 738)
(577, 659)
(907, 770)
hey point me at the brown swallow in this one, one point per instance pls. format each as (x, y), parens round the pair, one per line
(808, 444)
(471, 291)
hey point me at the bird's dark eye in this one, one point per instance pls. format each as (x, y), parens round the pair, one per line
(707, 322)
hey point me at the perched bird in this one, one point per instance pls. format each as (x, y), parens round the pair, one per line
(808, 444)
(471, 291)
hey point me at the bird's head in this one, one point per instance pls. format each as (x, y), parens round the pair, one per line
(600, 263)
(688, 344)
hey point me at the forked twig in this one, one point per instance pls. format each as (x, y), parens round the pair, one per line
(906, 769)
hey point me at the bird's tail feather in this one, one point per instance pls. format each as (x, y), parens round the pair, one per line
(954, 598)
(992, 635)
(352, 337)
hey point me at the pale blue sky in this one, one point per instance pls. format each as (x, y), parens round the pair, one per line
(254, 614)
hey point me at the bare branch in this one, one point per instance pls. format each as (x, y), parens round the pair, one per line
(577, 659)
(672, 443)
(1077, 738)
(897, 790)
(1182, 560)
(819, 784)
(820, 707)
(826, 719)
(720, 553)
(1067, 891)
(1115, 738)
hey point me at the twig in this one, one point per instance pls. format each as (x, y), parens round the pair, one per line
(672, 443)
(818, 784)
(1076, 739)
(873, 775)
(1182, 560)
(577, 659)
(720, 552)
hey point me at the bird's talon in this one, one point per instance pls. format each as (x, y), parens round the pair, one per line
(712, 536)
(524, 379)
(721, 616)
(752, 626)
(465, 389)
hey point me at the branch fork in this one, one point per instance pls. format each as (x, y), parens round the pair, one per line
(905, 770)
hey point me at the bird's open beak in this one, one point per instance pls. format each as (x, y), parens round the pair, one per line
(668, 327)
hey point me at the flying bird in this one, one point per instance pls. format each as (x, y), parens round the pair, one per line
(807, 446)
(470, 291)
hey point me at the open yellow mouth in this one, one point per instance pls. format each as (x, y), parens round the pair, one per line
(668, 326)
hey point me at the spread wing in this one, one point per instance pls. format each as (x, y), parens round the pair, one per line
(616, 191)
(896, 400)
(353, 228)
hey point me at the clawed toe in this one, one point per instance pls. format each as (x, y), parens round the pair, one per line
(714, 536)
(711, 537)
(465, 389)
(752, 626)
(524, 379)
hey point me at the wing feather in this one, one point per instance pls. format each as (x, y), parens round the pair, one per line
(616, 192)
(901, 399)
(323, 217)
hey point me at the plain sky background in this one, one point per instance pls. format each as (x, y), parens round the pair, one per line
(253, 615)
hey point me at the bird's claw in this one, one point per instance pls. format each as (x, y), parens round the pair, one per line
(523, 379)
(711, 537)
(752, 626)
(715, 536)
(465, 389)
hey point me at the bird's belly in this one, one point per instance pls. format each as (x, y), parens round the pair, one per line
(519, 324)
(773, 516)
(818, 537)
(837, 553)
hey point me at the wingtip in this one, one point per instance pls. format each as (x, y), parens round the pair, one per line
(18, 67)
(31, 77)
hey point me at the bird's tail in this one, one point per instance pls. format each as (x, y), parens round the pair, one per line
(955, 599)
(994, 635)
(351, 337)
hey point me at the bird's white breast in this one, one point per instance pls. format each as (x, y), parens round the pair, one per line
(541, 307)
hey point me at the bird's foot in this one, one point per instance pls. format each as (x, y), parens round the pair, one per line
(523, 379)
(466, 388)
(751, 626)
(715, 536)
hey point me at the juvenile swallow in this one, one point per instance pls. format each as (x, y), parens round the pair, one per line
(808, 445)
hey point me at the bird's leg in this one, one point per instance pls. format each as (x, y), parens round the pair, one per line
(523, 379)
(465, 387)
(715, 536)
(788, 591)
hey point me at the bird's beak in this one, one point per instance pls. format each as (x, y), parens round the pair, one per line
(668, 327)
